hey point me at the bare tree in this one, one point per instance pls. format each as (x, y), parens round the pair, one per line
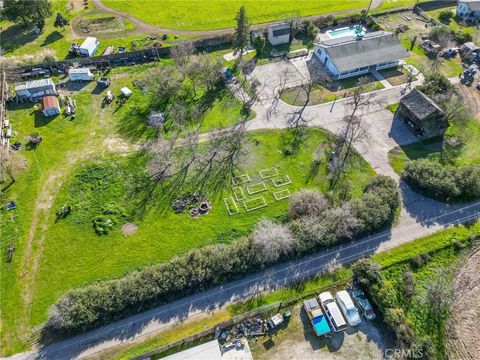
(307, 202)
(344, 220)
(165, 82)
(272, 240)
(182, 54)
(361, 99)
(210, 71)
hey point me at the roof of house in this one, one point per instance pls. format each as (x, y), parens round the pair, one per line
(473, 5)
(79, 71)
(90, 43)
(33, 84)
(280, 29)
(50, 101)
(207, 351)
(352, 52)
(420, 105)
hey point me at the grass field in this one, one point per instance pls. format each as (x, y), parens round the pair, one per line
(56, 42)
(466, 131)
(217, 14)
(454, 24)
(321, 94)
(72, 164)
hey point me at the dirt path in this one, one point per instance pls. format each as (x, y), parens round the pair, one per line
(42, 212)
(463, 329)
(143, 27)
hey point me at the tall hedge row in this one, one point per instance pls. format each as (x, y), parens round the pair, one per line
(106, 301)
(445, 183)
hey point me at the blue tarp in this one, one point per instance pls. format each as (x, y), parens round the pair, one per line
(320, 325)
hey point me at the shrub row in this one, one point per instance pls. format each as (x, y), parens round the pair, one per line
(445, 183)
(106, 301)
(367, 274)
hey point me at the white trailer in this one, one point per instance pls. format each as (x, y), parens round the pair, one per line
(80, 74)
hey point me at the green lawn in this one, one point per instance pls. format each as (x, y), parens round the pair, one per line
(321, 94)
(69, 252)
(454, 24)
(217, 14)
(56, 42)
(74, 255)
(467, 132)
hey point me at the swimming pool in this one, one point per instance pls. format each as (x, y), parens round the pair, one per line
(346, 31)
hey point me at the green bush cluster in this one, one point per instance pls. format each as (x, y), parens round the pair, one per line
(105, 301)
(367, 274)
(446, 183)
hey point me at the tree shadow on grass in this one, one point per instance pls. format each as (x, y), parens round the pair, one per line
(15, 37)
(41, 121)
(51, 38)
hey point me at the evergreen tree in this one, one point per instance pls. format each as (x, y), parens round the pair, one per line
(60, 21)
(242, 32)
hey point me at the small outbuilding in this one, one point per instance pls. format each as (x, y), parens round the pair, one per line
(89, 47)
(279, 34)
(80, 74)
(35, 89)
(422, 115)
(470, 51)
(51, 107)
(126, 92)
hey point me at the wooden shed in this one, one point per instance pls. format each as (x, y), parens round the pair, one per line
(422, 115)
(51, 107)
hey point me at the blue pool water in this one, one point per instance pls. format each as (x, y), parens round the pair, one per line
(320, 325)
(347, 31)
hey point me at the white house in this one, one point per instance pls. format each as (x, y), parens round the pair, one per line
(89, 47)
(35, 89)
(279, 34)
(80, 74)
(469, 10)
(356, 55)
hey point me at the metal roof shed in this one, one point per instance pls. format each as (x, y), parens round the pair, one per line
(89, 46)
(207, 351)
(50, 106)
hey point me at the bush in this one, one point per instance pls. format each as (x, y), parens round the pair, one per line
(307, 203)
(441, 34)
(435, 84)
(462, 37)
(378, 204)
(312, 30)
(445, 16)
(366, 273)
(259, 45)
(417, 262)
(446, 183)
(272, 241)
(107, 301)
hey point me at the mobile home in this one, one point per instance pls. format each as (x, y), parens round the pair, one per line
(80, 74)
(35, 89)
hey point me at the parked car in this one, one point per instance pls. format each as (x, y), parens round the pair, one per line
(349, 310)
(317, 318)
(333, 313)
(363, 304)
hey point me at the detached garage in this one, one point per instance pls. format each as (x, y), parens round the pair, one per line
(51, 106)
